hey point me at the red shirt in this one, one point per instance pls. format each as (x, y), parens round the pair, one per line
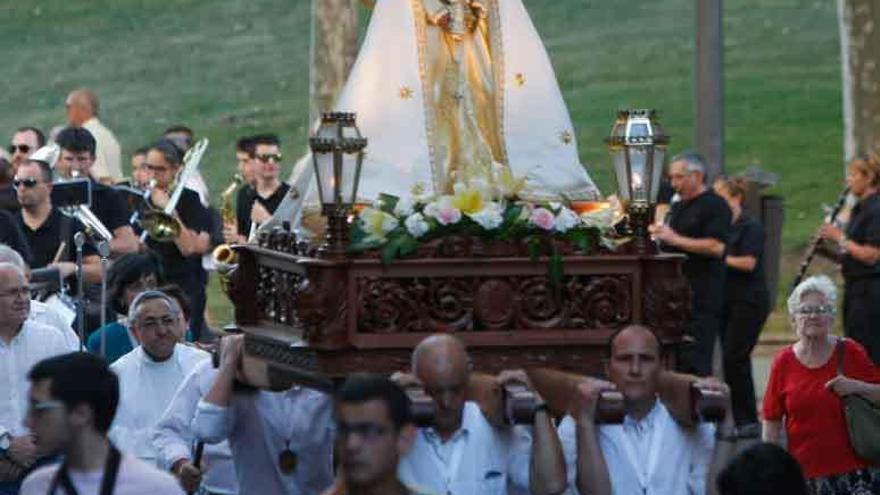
(814, 420)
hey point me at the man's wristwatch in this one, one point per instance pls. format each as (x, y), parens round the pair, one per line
(5, 441)
(843, 245)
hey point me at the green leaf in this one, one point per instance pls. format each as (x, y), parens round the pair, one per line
(391, 250)
(534, 245)
(408, 245)
(555, 271)
(388, 202)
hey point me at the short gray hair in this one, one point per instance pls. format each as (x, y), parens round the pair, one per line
(817, 283)
(150, 295)
(9, 255)
(694, 162)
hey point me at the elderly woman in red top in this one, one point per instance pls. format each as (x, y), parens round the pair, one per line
(804, 391)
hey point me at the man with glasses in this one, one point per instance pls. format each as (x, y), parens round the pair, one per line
(374, 430)
(50, 233)
(261, 201)
(282, 442)
(78, 157)
(150, 374)
(699, 228)
(25, 141)
(180, 259)
(23, 343)
(73, 398)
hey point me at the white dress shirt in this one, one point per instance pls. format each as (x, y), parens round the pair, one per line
(146, 387)
(49, 316)
(108, 156)
(34, 343)
(479, 459)
(135, 478)
(173, 438)
(653, 456)
(260, 425)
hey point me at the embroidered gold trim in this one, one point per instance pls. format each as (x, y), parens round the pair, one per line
(420, 20)
(497, 47)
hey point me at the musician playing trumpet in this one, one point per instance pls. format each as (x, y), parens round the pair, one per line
(76, 160)
(859, 248)
(181, 259)
(259, 202)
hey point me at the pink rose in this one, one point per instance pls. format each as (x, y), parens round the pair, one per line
(542, 218)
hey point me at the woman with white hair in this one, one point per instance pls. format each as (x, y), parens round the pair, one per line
(804, 391)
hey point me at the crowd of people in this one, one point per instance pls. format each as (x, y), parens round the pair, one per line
(132, 401)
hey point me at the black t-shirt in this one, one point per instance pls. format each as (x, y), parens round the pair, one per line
(9, 199)
(109, 206)
(705, 216)
(47, 238)
(746, 239)
(863, 228)
(12, 235)
(245, 200)
(176, 267)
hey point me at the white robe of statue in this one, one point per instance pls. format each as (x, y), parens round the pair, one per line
(391, 91)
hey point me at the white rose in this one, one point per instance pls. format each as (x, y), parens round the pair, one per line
(489, 217)
(404, 207)
(416, 225)
(566, 220)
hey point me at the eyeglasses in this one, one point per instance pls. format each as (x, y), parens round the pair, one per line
(76, 158)
(367, 431)
(269, 157)
(27, 182)
(23, 292)
(153, 324)
(820, 310)
(24, 148)
(43, 406)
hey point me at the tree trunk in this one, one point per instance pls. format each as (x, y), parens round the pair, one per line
(860, 57)
(334, 48)
(709, 86)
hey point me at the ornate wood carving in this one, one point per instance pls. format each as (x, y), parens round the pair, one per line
(360, 315)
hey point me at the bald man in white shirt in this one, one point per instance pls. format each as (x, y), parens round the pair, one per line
(81, 106)
(650, 453)
(463, 454)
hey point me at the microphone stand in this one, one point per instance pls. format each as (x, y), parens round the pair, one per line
(80, 239)
(104, 252)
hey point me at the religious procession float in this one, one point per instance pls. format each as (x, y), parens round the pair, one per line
(445, 194)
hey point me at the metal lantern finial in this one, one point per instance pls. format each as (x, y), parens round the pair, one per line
(337, 154)
(638, 148)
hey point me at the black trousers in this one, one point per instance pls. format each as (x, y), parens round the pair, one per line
(861, 313)
(743, 321)
(696, 358)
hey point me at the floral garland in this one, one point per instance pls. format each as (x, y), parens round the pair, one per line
(486, 203)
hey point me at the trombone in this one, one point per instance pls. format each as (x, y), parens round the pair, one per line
(161, 225)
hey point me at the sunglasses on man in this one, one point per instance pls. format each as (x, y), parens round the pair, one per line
(27, 183)
(24, 148)
(266, 158)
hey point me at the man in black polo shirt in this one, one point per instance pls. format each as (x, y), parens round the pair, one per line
(181, 260)
(698, 227)
(49, 233)
(77, 157)
(260, 201)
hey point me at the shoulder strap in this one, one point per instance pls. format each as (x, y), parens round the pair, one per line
(840, 350)
(108, 480)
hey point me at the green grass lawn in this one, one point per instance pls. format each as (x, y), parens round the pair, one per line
(233, 67)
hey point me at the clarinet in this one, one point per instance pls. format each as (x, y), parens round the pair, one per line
(814, 244)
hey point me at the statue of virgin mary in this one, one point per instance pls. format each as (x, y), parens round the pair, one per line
(441, 84)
